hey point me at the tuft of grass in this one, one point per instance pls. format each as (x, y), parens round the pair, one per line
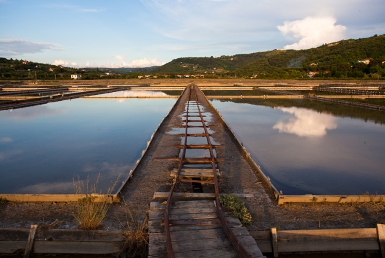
(237, 207)
(89, 214)
(135, 235)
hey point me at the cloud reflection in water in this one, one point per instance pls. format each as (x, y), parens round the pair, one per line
(305, 123)
(121, 95)
(30, 113)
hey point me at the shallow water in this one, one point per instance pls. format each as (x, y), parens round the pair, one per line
(44, 148)
(309, 151)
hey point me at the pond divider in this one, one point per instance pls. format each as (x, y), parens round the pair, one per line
(109, 198)
(131, 173)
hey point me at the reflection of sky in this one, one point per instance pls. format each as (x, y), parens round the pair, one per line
(305, 122)
(122, 95)
(32, 112)
(347, 159)
(134, 93)
(43, 152)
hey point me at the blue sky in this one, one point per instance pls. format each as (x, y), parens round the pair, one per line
(138, 33)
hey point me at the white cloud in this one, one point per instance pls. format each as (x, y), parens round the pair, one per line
(143, 62)
(312, 31)
(12, 47)
(60, 62)
(305, 123)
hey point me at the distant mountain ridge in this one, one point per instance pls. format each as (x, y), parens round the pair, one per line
(353, 58)
(345, 58)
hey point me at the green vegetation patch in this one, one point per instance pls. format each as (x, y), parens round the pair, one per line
(237, 208)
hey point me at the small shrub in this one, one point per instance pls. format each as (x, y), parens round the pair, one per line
(89, 214)
(237, 208)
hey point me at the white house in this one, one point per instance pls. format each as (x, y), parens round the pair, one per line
(76, 76)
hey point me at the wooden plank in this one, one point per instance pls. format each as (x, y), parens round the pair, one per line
(156, 214)
(197, 195)
(309, 198)
(14, 234)
(381, 238)
(156, 226)
(184, 195)
(263, 239)
(187, 170)
(10, 247)
(274, 241)
(30, 241)
(183, 204)
(76, 247)
(327, 240)
(222, 252)
(58, 197)
(193, 245)
(195, 174)
(341, 245)
(200, 233)
(193, 210)
(80, 235)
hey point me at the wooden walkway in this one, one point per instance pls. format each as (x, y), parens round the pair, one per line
(190, 240)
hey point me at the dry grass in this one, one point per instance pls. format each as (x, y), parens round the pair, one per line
(89, 214)
(135, 235)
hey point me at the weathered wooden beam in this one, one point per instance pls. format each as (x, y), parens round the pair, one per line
(320, 240)
(111, 198)
(193, 174)
(309, 198)
(381, 238)
(30, 241)
(196, 195)
(274, 241)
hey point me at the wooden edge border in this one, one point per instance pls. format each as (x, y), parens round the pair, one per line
(110, 198)
(66, 241)
(309, 198)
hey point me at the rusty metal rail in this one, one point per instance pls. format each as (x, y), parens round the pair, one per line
(194, 101)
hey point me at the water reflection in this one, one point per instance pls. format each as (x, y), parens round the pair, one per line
(32, 112)
(343, 159)
(43, 148)
(305, 122)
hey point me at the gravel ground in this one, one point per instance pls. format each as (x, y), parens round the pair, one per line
(237, 177)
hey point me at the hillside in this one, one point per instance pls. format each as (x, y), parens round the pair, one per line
(337, 60)
(13, 69)
(346, 59)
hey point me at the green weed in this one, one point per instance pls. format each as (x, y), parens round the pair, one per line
(237, 208)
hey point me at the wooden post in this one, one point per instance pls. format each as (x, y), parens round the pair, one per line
(381, 238)
(31, 240)
(274, 241)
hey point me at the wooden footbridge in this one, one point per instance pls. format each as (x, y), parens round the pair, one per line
(185, 227)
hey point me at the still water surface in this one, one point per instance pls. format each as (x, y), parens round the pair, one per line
(43, 148)
(305, 151)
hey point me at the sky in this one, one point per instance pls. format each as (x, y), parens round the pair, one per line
(142, 33)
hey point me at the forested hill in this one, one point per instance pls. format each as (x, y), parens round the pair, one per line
(353, 58)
